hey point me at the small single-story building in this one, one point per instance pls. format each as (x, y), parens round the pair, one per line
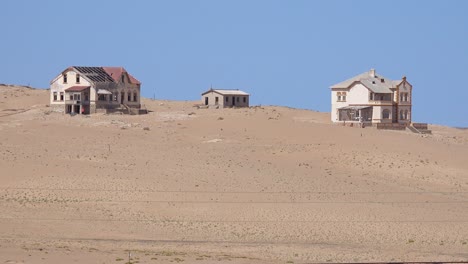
(225, 98)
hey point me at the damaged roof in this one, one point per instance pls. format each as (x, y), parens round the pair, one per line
(104, 74)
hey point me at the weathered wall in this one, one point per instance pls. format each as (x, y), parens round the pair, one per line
(226, 100)
(58, 85)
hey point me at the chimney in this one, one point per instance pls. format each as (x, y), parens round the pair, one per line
(372, 73)
(404, 78)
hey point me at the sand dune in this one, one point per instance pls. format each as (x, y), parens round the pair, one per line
(259, 185)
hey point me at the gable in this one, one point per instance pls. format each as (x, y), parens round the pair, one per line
(75, 72)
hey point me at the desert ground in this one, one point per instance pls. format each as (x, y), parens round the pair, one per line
(263, 184)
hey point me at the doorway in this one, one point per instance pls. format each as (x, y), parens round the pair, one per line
(76, 109)
(206, 100)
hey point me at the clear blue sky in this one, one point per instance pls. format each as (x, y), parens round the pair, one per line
(282, 52)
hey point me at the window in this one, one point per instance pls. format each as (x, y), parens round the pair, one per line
(245, 99)
(77, 78)
(61, 96)
(406, 114)
(341, 96)
(65, 78)
(129, 96)
(135, 97)
(386, 114)
(123, 78)
(55, 96)
(237, 99)
(227, 99)
(371, 96)
(76, 97)
(403, 97)
(402, 117)
(86, 96)
(216, 100)
(71, 96)
(382, 80)
(102, 97)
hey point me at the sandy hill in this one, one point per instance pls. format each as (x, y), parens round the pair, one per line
(257, 185)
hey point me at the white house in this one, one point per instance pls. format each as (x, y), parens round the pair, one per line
(371, 98)
(225, 98)
(85, 90)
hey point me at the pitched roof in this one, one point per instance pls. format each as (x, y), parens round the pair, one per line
(375, 83)
(76, 88)
(226, 92)
(116, 73)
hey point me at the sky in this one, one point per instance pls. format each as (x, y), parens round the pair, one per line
(283, 52)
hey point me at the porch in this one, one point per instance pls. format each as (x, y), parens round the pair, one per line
(355, 114)
(77, 100)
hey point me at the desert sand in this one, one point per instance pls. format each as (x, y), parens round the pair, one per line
(257, 185)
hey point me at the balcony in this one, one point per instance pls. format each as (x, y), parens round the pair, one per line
(76, 102)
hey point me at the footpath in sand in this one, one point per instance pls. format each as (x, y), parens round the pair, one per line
(256, 185)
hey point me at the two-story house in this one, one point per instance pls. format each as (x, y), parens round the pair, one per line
(86, 90)
(371, 98)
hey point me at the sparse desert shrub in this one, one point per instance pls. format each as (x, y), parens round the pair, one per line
(220, 118)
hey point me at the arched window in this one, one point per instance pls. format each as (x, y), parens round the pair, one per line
(386, 114)
(135, 97)
(406, 114)
(401, 115)
(129, 96)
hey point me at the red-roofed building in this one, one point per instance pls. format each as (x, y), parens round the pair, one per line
(87, 90)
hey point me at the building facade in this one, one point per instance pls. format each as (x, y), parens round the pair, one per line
(372, 98)
(225, 98)
(87, 90)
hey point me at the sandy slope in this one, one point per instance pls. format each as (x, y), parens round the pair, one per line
(258, 185)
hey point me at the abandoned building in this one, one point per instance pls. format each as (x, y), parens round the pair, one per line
(225, 98)
(372, 98)
(88, 90)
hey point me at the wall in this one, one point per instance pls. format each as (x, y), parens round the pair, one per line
(59, 86)
(239, 101)
(357, 95)
(377, 114)
(212, 99)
